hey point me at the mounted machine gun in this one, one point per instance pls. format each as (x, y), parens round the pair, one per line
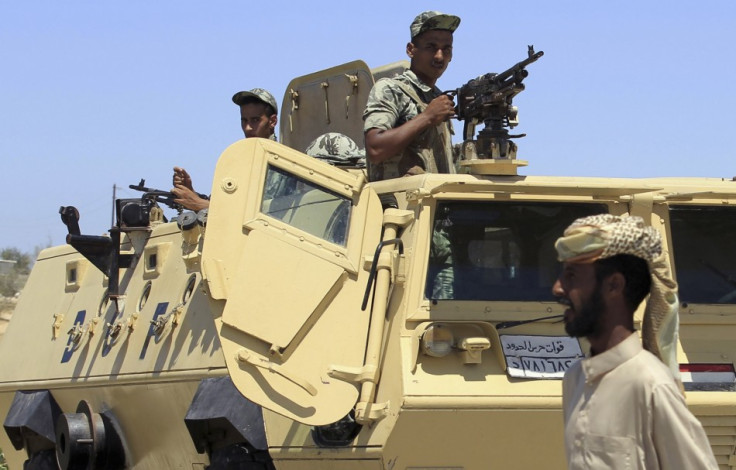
(488, 98)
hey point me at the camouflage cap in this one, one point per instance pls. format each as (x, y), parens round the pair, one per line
(429, 20)
(336, 148)
(259, 94)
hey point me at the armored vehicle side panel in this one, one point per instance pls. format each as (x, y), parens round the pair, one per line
(137, 361)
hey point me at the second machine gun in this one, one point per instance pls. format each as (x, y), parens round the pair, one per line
(133, 215)
(149, 199)
(488, 98)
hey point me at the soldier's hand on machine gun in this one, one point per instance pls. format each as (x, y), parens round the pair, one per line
(189, 199)
(440, 109)
(184, 193)
(181, 177)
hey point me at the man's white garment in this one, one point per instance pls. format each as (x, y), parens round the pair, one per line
(623, 410)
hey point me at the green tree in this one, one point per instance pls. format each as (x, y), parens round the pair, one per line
(13, 281)
(8, 285)
(23, 261)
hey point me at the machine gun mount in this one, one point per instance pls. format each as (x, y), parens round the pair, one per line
(488, 98)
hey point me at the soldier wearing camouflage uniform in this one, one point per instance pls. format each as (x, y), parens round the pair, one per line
(258, 118)
(408, 132)
(407, 128)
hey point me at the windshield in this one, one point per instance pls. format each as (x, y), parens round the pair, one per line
(498, 250)
(306, 206)
(704, 245)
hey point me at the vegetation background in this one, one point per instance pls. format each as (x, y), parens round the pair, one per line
(11, 283)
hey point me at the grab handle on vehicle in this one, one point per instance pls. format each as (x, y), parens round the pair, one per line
(247, 357)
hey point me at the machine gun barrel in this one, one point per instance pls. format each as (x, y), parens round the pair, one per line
(162, 197)
(520, 67)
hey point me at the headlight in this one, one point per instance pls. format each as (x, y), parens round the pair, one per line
(437, 341)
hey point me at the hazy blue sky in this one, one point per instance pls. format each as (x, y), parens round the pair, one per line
(101, 93)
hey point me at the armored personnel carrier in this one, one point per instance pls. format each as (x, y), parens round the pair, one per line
(401, 324)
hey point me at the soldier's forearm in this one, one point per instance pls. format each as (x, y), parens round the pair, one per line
(381, 144)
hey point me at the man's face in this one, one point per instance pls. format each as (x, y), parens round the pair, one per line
(255, 122)
(578, 289)
(430, 53)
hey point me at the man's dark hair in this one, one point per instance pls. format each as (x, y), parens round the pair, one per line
(253, 100)
(635, 271)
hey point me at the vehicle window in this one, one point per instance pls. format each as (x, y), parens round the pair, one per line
(704, 247)
(306, 206)
(498, 250)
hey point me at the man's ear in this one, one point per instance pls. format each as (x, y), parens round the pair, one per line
(615, 283)
(410, 49)
(273, 120)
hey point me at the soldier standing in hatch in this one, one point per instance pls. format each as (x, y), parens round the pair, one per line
(407, 127)
(408, 130)
(258, 118)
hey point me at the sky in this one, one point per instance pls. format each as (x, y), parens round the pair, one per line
(99, 94)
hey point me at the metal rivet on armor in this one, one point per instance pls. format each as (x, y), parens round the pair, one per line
(229, 185)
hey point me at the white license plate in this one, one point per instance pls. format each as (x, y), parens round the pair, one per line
(539, 357)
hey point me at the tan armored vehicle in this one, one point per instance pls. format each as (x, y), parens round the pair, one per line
(341, 324)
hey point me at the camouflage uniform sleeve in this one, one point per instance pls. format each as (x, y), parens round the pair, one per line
(384, 107)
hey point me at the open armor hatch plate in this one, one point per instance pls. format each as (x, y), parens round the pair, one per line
(286, 288)
(331, 100)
